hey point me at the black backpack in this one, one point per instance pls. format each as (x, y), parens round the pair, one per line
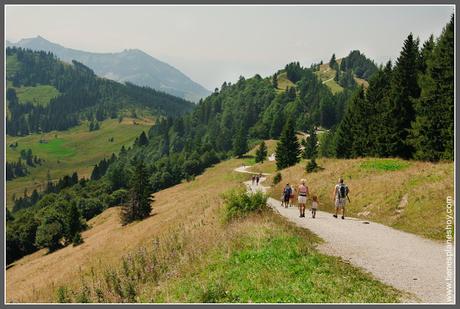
(343, 191)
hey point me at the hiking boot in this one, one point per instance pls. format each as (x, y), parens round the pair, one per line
(335, 216)
(343, 217)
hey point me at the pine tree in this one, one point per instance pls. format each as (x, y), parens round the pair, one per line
(311, 144)
(73, 223)
(404, 90)
(378, 96)
(142, 140)
(275, 81)
(337, 76)
(432, 133)
(139, 205)
(261, 153)
(333, 63)
(343, 136)
(240, 143)
(288, 148)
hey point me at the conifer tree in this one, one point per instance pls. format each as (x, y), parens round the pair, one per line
(142, 140)
(432, 131)
(288, 148)
(261, 153)
(139, 205)
(240, 143)
(404, 90)
(378, 97)
(333, 62)
(311, 144)
(73, 224)
(275, 81)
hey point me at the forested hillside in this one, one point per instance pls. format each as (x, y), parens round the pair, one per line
(76, 94)
(407, 110)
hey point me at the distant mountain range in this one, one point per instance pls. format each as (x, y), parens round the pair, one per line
(132, 65)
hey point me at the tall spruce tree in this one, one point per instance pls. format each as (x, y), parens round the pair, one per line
(288, 148)
(404, 90)
(432, 133)
(139, 205)
(311, 144)
(378, 97)
(142, 140)
(240, 142)
(261, 153)
(275, 81)
(333, 63)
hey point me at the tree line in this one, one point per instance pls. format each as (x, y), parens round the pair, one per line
(408, 109)
(18, 168)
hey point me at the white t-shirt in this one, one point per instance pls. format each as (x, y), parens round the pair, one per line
(314, 205)
(337, 190)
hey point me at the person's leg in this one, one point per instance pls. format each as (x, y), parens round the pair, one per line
(343, 211)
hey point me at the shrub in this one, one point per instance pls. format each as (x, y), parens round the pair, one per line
(239, 203)
(77, 239)
(312, 166)
(277, 178)
(62, 295)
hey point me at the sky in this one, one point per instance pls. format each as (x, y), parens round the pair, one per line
(213, 44)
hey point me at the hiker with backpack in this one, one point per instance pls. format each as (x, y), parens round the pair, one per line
(286, 195)
(340, 196)
(291, 198)
(302, 199)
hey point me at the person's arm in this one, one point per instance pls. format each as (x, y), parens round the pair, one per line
(334, 193)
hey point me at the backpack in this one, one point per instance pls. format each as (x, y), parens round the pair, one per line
(287, 191)
(343, 191)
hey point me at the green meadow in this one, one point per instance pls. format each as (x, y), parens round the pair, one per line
(64, 152)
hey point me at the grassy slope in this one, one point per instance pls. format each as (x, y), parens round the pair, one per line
(284, 82)
(38, 95)
(326, 74)
(76, 149)
(379, 188)
(172, 252)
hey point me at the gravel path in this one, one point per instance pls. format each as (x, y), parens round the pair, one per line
(403, 260)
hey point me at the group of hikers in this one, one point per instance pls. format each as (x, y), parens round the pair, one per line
(340, 197)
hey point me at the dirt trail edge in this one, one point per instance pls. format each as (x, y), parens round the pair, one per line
(405, 261)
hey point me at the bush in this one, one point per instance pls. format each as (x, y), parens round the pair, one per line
(239, 203)
(277, 178)
(312, 166)
(77, 239)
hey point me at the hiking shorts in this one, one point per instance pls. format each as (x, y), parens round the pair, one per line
(302, 199)
(340, 202)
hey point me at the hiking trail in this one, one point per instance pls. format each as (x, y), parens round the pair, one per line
(405, 261)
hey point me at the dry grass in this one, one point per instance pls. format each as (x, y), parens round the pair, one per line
(380, 195)
(36, 277)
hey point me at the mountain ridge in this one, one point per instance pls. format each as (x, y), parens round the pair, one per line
(130, 65)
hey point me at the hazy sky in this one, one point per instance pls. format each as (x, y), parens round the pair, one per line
(213, 44)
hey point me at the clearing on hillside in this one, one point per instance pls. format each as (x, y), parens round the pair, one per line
(65, 152)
